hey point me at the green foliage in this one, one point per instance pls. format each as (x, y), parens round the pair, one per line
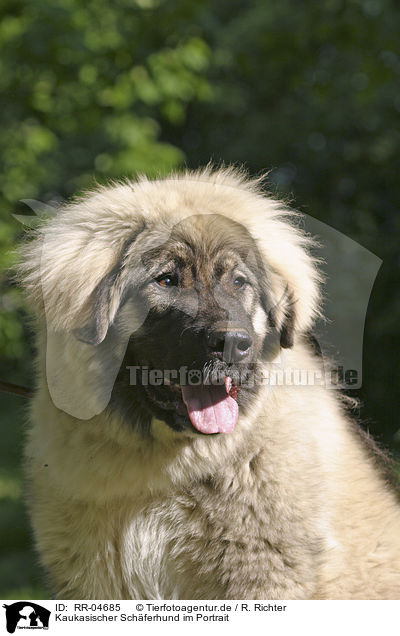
(20, 575)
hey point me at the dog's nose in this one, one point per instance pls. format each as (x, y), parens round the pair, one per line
(232, 345)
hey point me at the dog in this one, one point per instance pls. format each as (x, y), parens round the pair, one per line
(160, 463)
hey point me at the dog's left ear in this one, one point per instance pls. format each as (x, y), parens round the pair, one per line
(293, 276)
(282, 316)
(287, 329)
(287, 332)
(277, 300)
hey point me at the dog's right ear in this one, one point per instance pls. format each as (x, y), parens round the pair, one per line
(108, 295)
(103, 305)
(86, 327)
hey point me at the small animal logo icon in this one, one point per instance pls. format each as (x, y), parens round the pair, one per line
(26, 615)
(194, 377)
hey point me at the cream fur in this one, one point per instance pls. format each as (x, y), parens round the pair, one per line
(288, 506)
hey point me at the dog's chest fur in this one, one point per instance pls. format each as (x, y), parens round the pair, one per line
(193, 544)
(163, 551)
(146, 567)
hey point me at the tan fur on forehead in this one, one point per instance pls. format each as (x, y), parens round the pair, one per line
(78, 247)
(225, 261)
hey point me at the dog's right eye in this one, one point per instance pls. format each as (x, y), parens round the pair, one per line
(167, 280)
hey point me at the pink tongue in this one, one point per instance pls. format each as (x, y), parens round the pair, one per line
(210, 408)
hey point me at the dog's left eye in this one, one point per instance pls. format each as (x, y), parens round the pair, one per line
(239, 282)
(167, 280)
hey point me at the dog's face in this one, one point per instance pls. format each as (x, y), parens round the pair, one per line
(163, 299)
(209, 321)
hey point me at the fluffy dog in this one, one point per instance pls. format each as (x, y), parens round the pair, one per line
(160, 463)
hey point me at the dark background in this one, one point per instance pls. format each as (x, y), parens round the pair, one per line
(93, 90)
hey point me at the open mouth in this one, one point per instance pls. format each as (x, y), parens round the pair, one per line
(211, 408)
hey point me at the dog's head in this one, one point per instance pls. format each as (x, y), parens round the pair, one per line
(207, 281)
